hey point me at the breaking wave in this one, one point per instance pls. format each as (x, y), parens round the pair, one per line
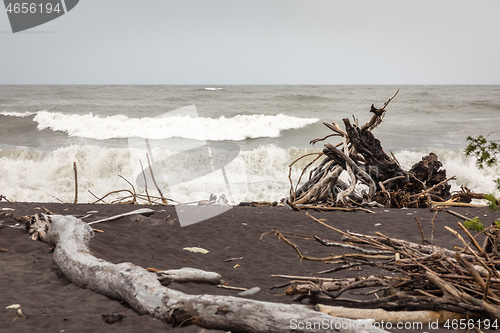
(236, 128)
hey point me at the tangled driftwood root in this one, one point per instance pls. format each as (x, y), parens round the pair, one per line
(361, 156)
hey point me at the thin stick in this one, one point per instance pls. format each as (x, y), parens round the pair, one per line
(76, 183)
(468, 247)
(145, 182)
(342, 256)
(473, 240)
(421, 231)
(433, 226)
(430, 189)
(231, 288)
(133, 188)
(468, 266)
(349, 246)
(154, 181)
(465, 218)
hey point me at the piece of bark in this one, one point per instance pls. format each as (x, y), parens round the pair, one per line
(144, 293)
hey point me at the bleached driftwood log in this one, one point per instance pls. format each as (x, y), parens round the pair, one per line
(394, 317)
(144, 293)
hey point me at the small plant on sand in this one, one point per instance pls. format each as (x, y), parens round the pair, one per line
(492, 202)
(474, 224)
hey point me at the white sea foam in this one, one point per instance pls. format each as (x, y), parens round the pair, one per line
(237, 128)
(260, 174)
(456, 163)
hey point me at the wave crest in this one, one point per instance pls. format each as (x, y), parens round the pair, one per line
(236, 128)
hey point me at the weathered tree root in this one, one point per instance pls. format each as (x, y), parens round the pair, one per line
(362, 157)
(144, 293)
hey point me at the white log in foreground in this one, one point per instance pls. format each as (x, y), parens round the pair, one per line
(144, 293)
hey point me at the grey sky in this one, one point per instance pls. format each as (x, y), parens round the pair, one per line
(259, 42)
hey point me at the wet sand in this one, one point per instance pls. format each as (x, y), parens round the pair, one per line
(51, 303)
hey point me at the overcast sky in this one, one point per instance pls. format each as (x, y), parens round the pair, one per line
(259, 42)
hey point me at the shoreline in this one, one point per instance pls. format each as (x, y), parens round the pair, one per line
(51, 302)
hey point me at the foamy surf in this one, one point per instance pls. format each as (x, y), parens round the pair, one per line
(259, 174)
(236, 128)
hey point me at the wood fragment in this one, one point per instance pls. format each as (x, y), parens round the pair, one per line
(223, 286)
(465, 218)
(76, 183)
(141, 211)
(421, 231)
(164, 201)
(394, 317)
(190, 275)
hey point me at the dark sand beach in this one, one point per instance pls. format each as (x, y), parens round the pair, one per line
(51, 303)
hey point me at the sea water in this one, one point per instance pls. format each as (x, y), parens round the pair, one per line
(233, 140)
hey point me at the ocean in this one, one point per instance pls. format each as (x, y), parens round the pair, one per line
(236, 141)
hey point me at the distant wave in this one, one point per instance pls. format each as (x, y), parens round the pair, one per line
(17, 114)
(236, 128)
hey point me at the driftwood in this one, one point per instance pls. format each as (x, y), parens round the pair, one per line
(141, 211)
(340, 285)
(186, 275)
(430, 278)
(143, 292)
(394, 317)
(360, 155)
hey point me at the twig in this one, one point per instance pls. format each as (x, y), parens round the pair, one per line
(468, 266)
(465, 218)
(426, 192)
(421, 231)
(145, 182)
(231, 288)
(154, 181)
(349, 246)
(76, 183)
(473, 240)
(133, 188)
(433, 226)
(341, 256)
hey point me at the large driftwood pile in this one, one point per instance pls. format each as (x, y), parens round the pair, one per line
(361, 156)
(427, 283)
